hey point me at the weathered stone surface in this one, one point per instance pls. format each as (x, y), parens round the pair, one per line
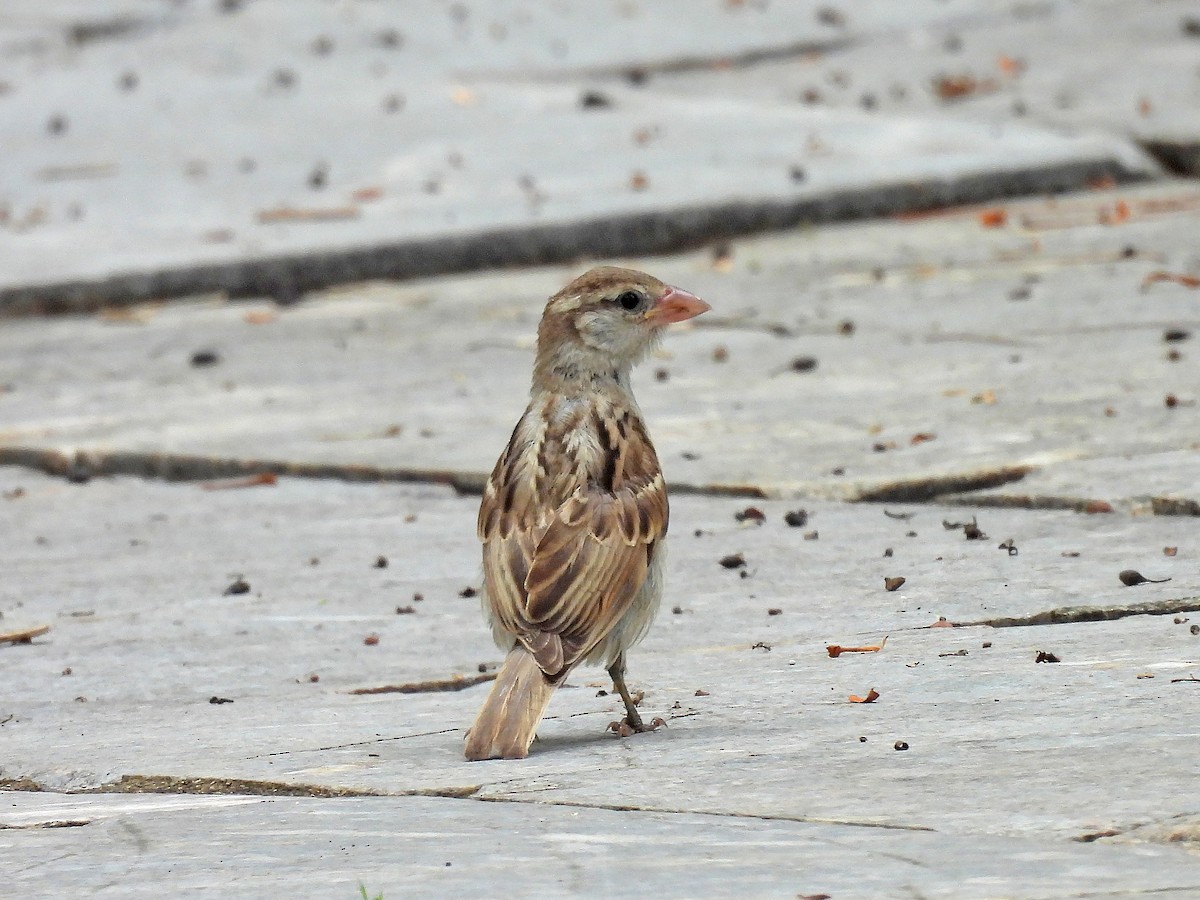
(271, 148)
(948, 357)
(200, 846)
(131, 576)
(1077, 68)
(993, 371)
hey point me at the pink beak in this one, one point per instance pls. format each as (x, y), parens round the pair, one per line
(675, 305)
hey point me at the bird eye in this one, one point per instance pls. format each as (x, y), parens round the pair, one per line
(630, 300)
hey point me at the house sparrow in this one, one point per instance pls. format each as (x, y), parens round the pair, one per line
(574, 517)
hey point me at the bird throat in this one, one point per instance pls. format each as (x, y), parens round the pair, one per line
(578, 373)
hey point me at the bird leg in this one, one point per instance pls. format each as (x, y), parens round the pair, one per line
(633, 721)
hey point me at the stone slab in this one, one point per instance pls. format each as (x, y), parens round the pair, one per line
(395, 847)
(130, 576)
(1115, 68)
(943, 350)
(285, 146)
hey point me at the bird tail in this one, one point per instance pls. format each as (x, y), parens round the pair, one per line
(505, 726)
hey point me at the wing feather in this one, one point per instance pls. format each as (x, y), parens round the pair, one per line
(566, 551)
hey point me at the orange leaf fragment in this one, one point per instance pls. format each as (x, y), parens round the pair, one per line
(836, 650)
(260, 316)
(1010, 66)
(286, 214)
(1098, 506)
(1190, 281)
(956, 87)
(993, 218)
(872, 696)
(262, 478)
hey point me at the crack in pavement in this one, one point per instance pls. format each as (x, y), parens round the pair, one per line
(727, 814)
(240, 787)
(1159, 506)
(56, 823)
(84, 464)
(918, 490)
(953, 489)
(167, 784)
(1065, 615)
(455, 683)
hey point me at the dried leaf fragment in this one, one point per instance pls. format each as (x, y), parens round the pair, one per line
(956, 87)
(25, 636)
(1044, 657)
(267, 479)
(893, 583)
(993, 218)
(1170, 551)
(283, 214)
(836, 650)
(1189, 281)
(872, 696)
(1009, 65)
(971, 530)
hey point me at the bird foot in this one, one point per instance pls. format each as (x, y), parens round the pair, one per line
(625, 728)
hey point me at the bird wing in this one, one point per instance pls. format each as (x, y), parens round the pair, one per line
(568, 532)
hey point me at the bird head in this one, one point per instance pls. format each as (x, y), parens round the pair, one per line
(605, 321)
